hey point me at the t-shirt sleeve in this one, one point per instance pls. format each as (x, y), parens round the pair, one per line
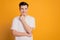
(14, 25)
(32, 23)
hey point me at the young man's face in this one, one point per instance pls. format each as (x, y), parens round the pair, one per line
(23, 9)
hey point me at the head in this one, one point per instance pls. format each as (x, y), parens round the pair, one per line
(23, 7)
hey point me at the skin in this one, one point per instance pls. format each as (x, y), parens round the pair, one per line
(23, 9)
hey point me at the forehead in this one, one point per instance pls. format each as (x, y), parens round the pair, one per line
(23, 6)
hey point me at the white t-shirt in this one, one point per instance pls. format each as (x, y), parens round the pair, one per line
(17, 25)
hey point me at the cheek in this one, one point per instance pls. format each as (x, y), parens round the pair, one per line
(21, 10)
(26, 10)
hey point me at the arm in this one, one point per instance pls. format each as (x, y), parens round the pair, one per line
(15, 33)
(14, 29)
(26, 27)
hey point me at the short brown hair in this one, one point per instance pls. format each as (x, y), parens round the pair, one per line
(23, 3)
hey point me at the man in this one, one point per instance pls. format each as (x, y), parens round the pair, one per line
(23, 24)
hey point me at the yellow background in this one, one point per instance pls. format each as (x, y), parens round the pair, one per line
(46, 13)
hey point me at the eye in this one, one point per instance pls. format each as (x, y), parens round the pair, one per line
(22, 8)
(25, 8)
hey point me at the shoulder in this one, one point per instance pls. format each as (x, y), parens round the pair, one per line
(31, 17)
(15, 18)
